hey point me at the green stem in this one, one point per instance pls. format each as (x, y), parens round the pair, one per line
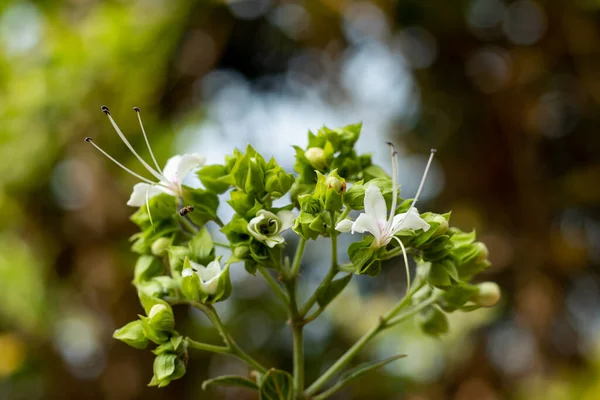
(333, 270)
(297, 324)
(343, 215)
(224, 245)
(385, 322)
(211, 313)
(233, 347)
(206, 347)
(275, 286)
(298, 258)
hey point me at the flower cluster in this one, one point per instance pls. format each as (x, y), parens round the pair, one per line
(178, 263)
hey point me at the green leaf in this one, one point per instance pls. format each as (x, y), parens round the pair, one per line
(277, 385)
(202, 248)
(364, 368)
(230, 380)
(325, 294)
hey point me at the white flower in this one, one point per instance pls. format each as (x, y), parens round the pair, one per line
(376, 220)
(267, 227)
(169, 180)
(209, 275)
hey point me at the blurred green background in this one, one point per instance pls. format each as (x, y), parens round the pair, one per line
(507, 91)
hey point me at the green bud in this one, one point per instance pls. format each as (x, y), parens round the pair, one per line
(432, 321)
(443, 225)
(167, 368)
(214, 177)
(255, 181)
(330, 190)
(488, 295)
(277, 181)
(160, 246)
(316, 157)
(241, 251)
(161, 318)
(132, 334)
(310, 204)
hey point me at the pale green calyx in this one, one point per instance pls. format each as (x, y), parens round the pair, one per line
(266, 227)
(489, 294)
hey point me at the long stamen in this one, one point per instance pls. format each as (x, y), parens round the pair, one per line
(89, 140)
(394, 182)
(137, 110)
(124, 139)
(405, 263)
(422, 180)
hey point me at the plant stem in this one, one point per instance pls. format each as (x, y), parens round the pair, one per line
(297, 323)
(232, 346)
(333, 270)
(298, 258)
(207, 347)
(386, 321)
(275, 286)
(224, 245)
(211, 313)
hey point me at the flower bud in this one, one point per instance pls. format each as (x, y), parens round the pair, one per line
(309, 204)
(488, 295)
(161, 318)
(330, 190)
(443, 225)
(241, 251)
(160, 246)
(167, 368)
(278, 182)
(483, 252)
(132, 334)
(316, 157)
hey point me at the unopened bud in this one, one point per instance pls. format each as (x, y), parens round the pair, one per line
(316, 157)
(488, 295)
(483, 252)
(160, 246)
(335, 183)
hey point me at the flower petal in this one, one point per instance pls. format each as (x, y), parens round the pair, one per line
(344, 225)
(274, 240)
(410, 220)
(141, 193)
(286, 218)
(375, 205)
(187, 272)
(252, 227)
(211, 286)
(212, 269)
(367, 223)
(179, 166)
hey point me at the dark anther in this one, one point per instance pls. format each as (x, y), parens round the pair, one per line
(136, 109)
(271, 222)
(390, 144)
(105, 110)
(88, 139)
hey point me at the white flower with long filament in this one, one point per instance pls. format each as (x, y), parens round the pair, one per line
(376, 220)
(169, 179)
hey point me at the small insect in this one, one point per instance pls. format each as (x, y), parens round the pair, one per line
(185, 210)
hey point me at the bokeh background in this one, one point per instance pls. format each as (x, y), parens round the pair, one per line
(507, 91)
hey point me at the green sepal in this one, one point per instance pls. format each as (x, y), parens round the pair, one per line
(277, 181)
(167, 368)
(325, 294)
(146, 268)
(362, 255)
(132, 334)
(213, 177)
(173, 345)
(276, 385)
(202, 248)
(230, 380)
(190, 285)
(432, 321)
(310, 204)
(177, 255)
(457, 296)
(205, 205)
(156, 336)
(158, 286)
(241, 202)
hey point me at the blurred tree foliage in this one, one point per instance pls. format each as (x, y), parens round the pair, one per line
(507, 90)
